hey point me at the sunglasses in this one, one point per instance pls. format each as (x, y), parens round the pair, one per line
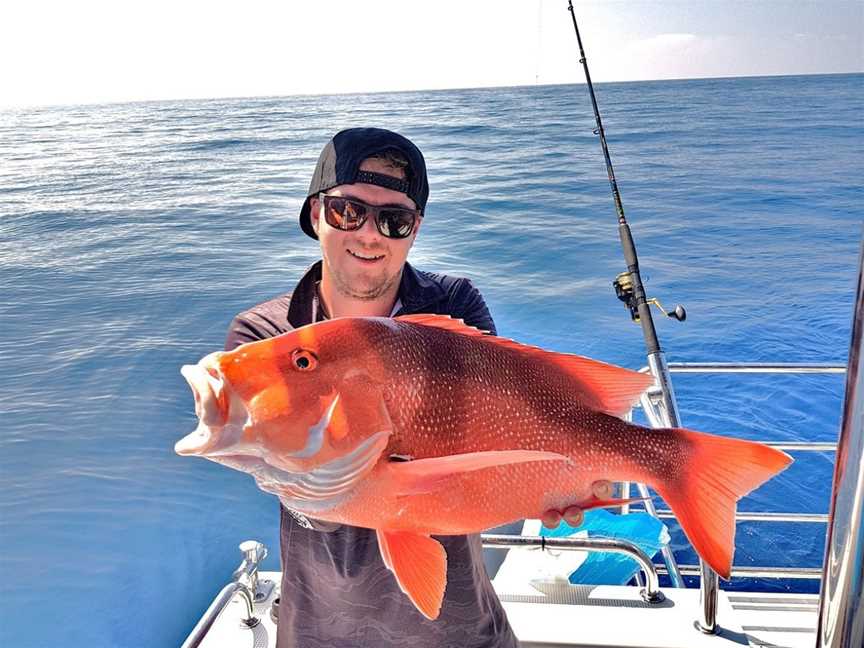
(349, 214)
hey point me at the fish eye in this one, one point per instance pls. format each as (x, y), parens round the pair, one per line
(304, 360)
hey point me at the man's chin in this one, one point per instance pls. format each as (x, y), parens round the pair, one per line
(366, 291)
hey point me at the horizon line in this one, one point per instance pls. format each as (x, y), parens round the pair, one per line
(241, 97)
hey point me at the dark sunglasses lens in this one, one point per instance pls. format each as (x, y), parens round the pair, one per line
(395, 223)
(344, 214)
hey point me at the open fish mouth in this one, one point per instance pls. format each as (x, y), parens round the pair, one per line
(211, 406)
(195, 443)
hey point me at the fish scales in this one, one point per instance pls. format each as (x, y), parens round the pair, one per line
(471, 403)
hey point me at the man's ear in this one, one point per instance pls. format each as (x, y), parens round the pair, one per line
(314, 213)
(416, 230)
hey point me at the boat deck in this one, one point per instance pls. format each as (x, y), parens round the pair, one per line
(599, 617)
(595, 616)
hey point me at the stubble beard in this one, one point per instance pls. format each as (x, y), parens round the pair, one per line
(374, 289)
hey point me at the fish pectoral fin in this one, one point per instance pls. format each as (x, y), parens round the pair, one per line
(425, 475)
(420, 566)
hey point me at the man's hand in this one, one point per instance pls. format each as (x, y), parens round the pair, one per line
(573, 515)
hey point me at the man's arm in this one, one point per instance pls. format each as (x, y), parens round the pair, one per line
(251, 327)
(466, 303)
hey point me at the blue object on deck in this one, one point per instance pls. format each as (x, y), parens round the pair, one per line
(603, 568)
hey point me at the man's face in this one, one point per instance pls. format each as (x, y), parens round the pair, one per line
(364, 264)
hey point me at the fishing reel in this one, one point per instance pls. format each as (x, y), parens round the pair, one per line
(624, 291)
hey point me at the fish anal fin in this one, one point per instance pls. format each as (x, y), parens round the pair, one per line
(604, 387)
(424, 475)
(419, 564)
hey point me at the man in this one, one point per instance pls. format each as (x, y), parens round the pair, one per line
(365, 206)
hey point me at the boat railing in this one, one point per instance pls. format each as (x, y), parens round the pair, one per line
(652, 405)
(650, 593)
(671, 568)
(244, 582)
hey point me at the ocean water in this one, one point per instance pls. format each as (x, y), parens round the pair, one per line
(130, 234)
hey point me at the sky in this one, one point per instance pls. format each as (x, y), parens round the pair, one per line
(94, 51)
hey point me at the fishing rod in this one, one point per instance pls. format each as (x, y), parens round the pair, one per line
(630, 289)
(628, 285)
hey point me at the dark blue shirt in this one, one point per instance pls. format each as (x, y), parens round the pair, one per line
(336, 591)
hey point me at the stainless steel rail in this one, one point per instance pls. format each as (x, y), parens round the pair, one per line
(244, 582)
(801, 446)
(648, 503)
(754, 367)
(662, 411)
(659, 416)
(757, 572)
(841, 604)
(651, 593)
(708, 596)
(656, 411)
(753, 516)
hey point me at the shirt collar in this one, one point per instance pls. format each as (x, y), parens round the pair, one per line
(416, 291)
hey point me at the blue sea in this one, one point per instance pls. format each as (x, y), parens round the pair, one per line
(130, 234)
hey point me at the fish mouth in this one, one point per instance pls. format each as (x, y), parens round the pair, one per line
(211, 406)
(195, 443)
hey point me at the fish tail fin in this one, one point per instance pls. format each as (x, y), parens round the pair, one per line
(720, 471)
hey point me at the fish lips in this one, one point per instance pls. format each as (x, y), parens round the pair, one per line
(221, 416)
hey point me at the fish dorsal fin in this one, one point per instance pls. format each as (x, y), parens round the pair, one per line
(604, 387)
(607, 388)
(420, 566)
(443, 322)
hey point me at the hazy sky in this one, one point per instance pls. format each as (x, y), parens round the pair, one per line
(77, 51)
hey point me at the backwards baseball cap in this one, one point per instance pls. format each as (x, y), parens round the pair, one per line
(339, 163)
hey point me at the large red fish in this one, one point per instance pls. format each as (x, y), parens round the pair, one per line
(421, 425)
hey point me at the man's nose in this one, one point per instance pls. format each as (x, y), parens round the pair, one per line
(369, 229)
